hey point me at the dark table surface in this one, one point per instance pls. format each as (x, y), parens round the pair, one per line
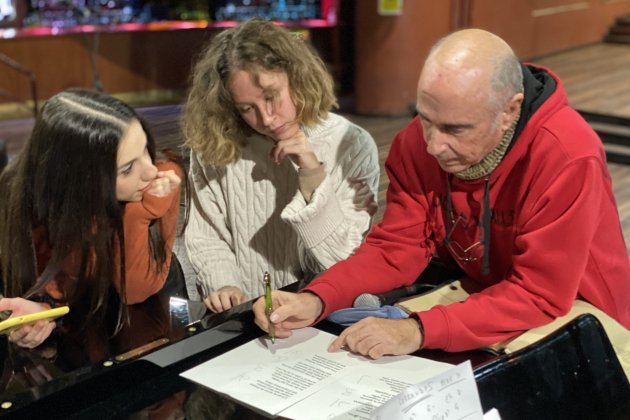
(111, 377)
(136, 372)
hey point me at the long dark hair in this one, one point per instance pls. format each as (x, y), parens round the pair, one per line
(64, 180)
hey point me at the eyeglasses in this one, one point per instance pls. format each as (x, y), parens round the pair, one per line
(453, 240)
(465, 254)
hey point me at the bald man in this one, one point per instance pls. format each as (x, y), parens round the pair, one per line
(499, 176)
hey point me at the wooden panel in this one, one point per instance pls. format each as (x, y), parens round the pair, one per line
(571, 6)
(557, 4)
(390, 51)
(544, 26)
(58, 61)
(125, 61)
(509, 19)
(138, 61)
(149, 60)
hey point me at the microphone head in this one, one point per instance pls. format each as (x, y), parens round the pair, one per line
(367, 300)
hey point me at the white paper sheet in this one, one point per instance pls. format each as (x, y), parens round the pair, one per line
(273, 378)
(358, 393)
(450, 395)
(492, 414)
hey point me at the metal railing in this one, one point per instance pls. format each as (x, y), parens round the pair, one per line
(11, 63)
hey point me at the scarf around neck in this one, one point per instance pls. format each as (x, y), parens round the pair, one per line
(492, 159)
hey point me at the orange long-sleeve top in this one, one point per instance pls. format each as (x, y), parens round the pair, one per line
(143, 278)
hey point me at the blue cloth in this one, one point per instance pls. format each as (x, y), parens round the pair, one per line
(349, 316)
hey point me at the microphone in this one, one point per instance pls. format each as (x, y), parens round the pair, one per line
(367, 300)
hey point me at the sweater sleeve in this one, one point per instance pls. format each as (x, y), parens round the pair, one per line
(142, 277)
(396, 250)
(551, 253)
(334, 223)
(208, 239)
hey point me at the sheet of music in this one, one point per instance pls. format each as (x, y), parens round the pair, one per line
(449, 395)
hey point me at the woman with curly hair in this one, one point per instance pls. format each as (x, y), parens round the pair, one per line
(87, 207)
(280, 183)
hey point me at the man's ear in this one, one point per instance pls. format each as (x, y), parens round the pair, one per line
(511, 110)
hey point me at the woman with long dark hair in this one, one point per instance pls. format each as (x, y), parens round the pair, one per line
(87, 207)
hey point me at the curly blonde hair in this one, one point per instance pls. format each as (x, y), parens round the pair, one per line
(211, 124)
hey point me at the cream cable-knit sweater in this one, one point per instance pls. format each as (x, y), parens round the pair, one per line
(250, 217)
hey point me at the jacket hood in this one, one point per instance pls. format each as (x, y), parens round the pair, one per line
(538, 85)
(544, 95)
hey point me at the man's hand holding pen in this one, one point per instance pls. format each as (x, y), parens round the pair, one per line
(372, 337)
(289, 311)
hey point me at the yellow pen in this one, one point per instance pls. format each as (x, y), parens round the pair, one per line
(269, 306)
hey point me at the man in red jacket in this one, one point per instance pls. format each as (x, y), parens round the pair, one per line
(499, 176)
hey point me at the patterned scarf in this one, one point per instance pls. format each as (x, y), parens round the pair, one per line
(492, 159)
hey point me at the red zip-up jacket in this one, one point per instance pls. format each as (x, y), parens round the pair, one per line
(554, 234)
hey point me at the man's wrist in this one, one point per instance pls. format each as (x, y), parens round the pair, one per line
(316, 302)
(420, 328)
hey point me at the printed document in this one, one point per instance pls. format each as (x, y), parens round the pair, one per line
(298, 378)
